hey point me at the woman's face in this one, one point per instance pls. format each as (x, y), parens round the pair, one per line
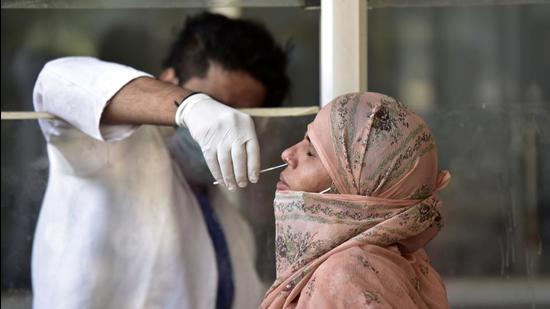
(304, 172)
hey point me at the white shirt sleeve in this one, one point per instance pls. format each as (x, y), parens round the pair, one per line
(77, 90)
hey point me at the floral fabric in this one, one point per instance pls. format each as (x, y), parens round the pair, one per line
(361, 244)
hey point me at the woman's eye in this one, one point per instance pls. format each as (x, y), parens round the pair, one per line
(309, 154)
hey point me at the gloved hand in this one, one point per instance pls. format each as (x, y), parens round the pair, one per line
(226, 136)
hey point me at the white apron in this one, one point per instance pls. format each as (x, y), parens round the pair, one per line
(119, 226)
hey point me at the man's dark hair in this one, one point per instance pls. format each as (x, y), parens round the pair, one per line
(235, 44)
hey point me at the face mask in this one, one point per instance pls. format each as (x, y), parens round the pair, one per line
(188, 154)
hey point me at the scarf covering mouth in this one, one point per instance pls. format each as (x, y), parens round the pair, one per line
(382, 159)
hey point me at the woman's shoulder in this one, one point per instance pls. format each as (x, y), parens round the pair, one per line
(350, 278)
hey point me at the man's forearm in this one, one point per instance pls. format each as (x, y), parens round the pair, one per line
(144, 100)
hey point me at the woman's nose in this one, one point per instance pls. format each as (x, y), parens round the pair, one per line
(288, 157)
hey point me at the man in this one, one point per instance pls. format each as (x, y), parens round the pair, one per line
(119, 226)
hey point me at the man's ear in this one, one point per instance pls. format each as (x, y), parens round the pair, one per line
(169, 75)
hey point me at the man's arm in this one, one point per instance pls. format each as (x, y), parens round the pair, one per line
(145, 100)
(86, 92)
(77, 90)
(227, 137)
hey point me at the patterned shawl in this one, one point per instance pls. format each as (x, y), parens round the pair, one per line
(361, 244)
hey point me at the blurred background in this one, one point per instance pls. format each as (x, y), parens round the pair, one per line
(477, 71)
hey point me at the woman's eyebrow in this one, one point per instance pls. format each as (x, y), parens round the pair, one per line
(308, 139)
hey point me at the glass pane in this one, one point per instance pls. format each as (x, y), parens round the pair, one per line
(138, 38)
(376, 4)
(479, 75)
(129, 4)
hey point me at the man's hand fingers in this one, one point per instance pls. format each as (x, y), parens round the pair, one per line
(211, 159)
(238, 155)
(253, 159)
(226, 166)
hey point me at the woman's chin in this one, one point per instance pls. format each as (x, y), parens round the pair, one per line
(281, 186)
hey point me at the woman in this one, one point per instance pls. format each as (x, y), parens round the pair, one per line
(360, 243)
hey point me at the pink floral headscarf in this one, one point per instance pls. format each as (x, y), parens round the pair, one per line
(361, 244)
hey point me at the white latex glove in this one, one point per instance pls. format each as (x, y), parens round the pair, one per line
(226, 136)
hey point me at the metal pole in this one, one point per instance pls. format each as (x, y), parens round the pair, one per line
(343, 47)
